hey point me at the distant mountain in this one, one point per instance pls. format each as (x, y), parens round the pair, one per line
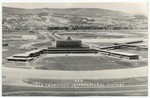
(92, 12)
(51, 16)
(13, 11)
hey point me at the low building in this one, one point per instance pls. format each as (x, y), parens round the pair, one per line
(125, 55)
(121, 46)
(18, 59)
(132, 42)
(129, 44)
(21, 55)
(34, 53)
(63, 46)
(70, 50)
(27, 56)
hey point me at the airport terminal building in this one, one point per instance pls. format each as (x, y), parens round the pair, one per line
(69, 46)
(62, 46)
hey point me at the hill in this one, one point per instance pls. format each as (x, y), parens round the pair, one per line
(72, 16)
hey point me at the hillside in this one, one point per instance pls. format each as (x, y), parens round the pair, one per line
(71, 16)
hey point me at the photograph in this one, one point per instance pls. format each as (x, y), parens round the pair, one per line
(74, 49)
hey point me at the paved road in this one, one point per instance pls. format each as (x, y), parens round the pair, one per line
(14, 76)
(44, 33)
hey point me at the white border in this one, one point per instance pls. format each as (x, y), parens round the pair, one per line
(73, 1)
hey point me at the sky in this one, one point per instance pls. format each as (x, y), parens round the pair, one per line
(128, 7)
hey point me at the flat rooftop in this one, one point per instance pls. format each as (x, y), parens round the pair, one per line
(69, 40)
(16, 58)
(122, 53)
(34, 51)
(21, 54)
(28, 52)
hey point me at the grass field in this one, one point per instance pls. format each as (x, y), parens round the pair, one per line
(42, 44)
(78, 63)
(104, 34)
